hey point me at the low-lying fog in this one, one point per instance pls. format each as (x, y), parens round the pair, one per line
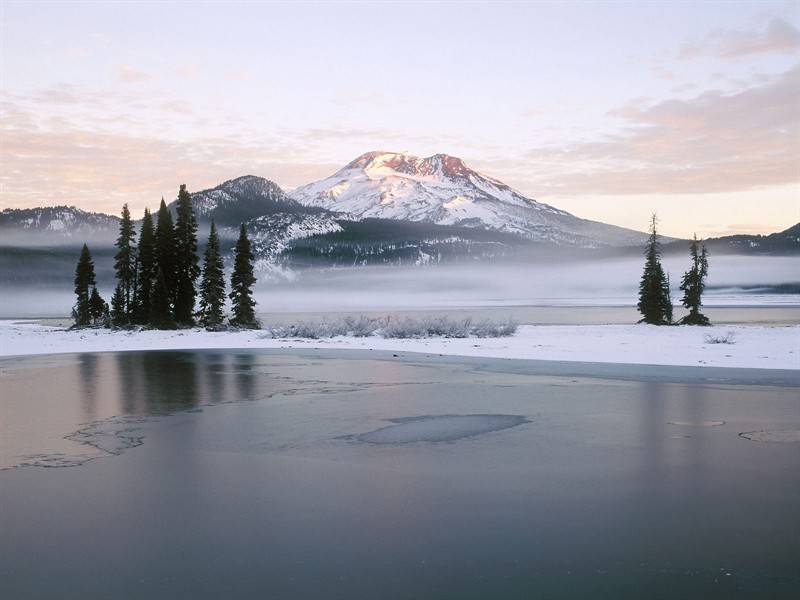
(607, 282)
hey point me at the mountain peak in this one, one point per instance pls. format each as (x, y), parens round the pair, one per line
(241, 199)
(379, 163)
(442, 189)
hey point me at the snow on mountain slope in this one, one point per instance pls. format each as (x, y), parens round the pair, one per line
(56, 224)
(271, 234)
(273, 220)
(441, 189)
(242, 199)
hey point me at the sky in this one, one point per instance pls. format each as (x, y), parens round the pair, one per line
(611, 111)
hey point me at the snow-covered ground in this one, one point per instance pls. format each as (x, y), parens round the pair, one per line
(753, 347)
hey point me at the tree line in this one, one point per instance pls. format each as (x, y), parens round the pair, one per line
(157, 279)
(655, 303)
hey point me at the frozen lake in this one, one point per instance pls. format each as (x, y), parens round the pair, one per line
(307, 474)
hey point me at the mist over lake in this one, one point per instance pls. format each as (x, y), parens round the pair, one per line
(733, 280)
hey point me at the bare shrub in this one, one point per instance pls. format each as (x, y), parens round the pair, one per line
(723, 338)
(396, 328)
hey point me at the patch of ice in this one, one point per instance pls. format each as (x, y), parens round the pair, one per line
(780, 435)
(439, 428)
(697, 423)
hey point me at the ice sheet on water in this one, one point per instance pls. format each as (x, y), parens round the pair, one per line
(697, 423)
(781, 435)
(439, 428)
(107, 437)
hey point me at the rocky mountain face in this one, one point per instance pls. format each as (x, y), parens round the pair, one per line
(441, 189)
(55, 225)
(242, 199)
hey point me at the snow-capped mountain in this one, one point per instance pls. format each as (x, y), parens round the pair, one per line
(273, 220)
(441, 189)
(56, 225)
(242, 199)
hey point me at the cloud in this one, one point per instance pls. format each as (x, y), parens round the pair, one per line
(713, 142)
(129, 74)
(178, 106)
(67, 164)
(779, 36)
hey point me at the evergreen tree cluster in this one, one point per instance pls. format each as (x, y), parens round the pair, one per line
(90, 309)
(693, 284)
(655, 303)
(157, 279)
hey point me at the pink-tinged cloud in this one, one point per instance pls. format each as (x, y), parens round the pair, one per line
(714, 142)
(779, 36)
(129, 74)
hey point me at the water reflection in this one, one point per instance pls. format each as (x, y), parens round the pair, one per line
(87, 370)
(673, 431)
(157, 383)
(245, 376)
(68, 393)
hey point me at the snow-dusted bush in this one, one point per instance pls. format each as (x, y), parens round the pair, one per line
(724, 338)
(409, 327)
(389, 327)
(490, 329)
(361, 326)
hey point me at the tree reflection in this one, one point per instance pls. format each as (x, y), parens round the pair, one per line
(157, 382)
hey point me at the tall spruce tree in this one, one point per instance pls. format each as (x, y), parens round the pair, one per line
(186, 262)
(654, 304)
(242, 281)
(165, 254)
(84, 279)
(118, 316)
(125, 270)
(693, 284)
(160, 308)
(147, 270)
(212, 285)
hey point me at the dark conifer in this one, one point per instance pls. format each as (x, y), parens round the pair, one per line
(186, 261)
(98, 309)
(125, 269)
(165, 251)
(147, 271)
(212, 285)
(693, 284)
(654, 304)
(118, 316)
(160, 309)
(242, 281)
(84, 279)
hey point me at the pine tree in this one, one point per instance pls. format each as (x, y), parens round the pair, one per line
(146, 269)
(186, 261)
(160, 309)
(165, 253)
(693, 284)
(212, 285)
(125, 268)
(118, 316)
(98, 309)
(242, 281)
(84, 279)
(654, 304)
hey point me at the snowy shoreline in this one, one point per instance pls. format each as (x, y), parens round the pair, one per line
(754, 346)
